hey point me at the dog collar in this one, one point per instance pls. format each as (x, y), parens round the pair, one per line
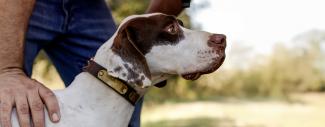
(118, 85)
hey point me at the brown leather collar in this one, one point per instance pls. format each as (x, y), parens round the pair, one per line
(118, 85)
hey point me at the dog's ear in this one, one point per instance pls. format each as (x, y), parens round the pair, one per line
(135, 62)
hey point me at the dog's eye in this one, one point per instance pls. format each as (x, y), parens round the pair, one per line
(180, 22)
(172, 29)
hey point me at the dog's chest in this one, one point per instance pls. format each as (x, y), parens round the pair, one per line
(89, 103)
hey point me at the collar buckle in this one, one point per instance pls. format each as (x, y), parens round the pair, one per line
(118, 85)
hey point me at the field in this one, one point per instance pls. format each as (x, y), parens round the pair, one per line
(306, 111)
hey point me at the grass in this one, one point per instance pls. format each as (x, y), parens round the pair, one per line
(195, 122)
(307, 111)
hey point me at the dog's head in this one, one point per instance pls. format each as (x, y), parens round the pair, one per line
(157, 44)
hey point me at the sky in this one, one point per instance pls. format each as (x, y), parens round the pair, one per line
(260, 23)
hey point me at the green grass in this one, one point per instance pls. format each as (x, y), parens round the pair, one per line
(197, 122)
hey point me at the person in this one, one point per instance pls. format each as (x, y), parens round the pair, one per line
(70, 32)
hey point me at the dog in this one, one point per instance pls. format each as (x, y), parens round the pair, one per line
(145, 51)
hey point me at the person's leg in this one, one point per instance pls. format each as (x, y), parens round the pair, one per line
(44, 25)
(88, 24)
(30, 52)
(135, 119)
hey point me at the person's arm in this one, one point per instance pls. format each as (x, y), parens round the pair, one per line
(16, 89)
(170, 7)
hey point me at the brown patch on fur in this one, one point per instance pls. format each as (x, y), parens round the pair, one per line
(117, 69)
(147, 32)
(137, 36)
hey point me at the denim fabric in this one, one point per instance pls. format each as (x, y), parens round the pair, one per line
(70, 32)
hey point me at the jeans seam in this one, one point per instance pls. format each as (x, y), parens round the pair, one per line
(67, 15)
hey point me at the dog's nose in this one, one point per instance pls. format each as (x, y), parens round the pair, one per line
(217, 40)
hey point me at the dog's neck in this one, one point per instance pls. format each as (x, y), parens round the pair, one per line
(112, 62)
(88, 95)
(99, 96)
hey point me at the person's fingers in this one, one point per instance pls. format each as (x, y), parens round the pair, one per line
(51, 103)
(22, 110)
(6, 105)
(36, 107)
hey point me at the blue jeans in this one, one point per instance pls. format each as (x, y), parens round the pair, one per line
(70, 32)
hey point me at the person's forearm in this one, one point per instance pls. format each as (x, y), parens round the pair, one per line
(13, 25)
(170, 7)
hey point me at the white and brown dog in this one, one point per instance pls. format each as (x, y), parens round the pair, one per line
(145, 50)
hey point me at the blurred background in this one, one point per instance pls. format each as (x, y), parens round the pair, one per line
(273, 76)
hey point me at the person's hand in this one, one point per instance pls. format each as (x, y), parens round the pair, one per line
(28, 96)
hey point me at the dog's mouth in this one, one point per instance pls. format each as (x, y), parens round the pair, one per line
(192, 76)
(197, 75)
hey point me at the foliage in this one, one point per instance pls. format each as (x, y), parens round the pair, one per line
(124, 8)
(197, 122)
